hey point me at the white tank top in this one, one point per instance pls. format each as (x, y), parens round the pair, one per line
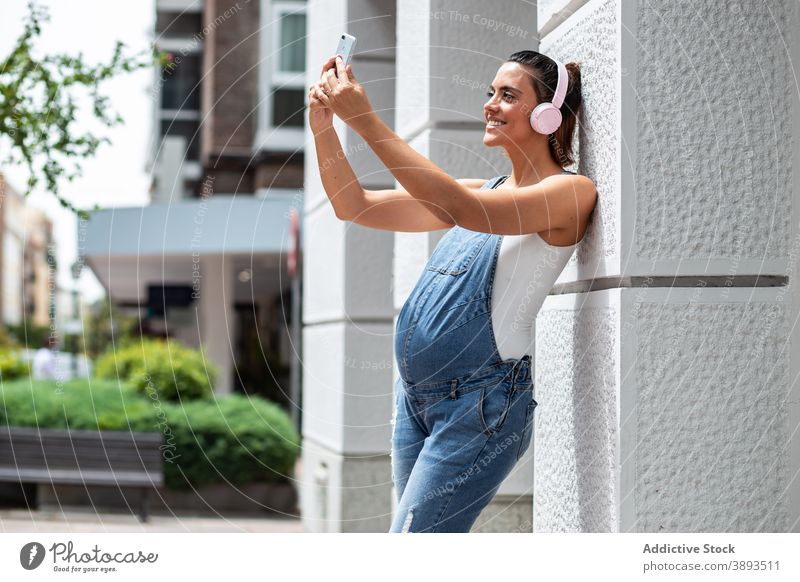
(527, 268)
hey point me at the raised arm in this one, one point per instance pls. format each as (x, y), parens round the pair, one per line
(557, 202)
(394, 210)
(397, 210)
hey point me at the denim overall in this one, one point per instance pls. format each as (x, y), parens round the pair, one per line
(463, 416)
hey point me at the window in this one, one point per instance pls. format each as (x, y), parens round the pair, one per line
(282, 82)
(288, 108)
(288, 81)
(292, 43)
(180, 83)
(183, 23)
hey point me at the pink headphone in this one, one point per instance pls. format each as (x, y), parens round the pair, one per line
(546, 118)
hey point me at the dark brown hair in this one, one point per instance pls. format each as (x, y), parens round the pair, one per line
(544, 78)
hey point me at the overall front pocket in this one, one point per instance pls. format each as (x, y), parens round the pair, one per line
(493, 406)
(527, 431)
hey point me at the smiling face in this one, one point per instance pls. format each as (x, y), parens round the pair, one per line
(511, 100)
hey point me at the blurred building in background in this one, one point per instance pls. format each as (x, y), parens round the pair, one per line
(27, 262)
(205, 261)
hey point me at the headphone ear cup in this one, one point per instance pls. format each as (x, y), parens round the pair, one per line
(545, 118)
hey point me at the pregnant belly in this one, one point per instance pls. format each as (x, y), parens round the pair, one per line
(445, 344)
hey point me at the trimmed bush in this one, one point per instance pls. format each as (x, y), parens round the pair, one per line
(240, 439)
(117, 363)
(237, 438)
(171, 369)
(13, 366)
(77, 404)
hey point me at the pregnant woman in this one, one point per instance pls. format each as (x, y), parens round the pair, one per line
(464, 400)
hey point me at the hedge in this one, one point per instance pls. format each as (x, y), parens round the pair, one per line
(236, 438)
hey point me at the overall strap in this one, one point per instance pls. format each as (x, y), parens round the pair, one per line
(494, 182)
(497, 180)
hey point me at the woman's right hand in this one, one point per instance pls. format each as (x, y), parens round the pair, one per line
(320, 117)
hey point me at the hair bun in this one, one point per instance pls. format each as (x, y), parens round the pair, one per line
(574, 74)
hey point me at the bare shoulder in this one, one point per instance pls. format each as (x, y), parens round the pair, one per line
(584, 189)
(589, 192)
(576, 224)
(471, 182)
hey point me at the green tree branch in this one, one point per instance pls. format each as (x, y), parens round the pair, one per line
(39, 100)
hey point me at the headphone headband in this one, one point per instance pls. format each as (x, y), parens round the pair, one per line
(561, 86)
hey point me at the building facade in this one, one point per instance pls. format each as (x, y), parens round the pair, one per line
(27, 261)
(205, 261)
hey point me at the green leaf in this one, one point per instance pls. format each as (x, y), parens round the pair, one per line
(39, 100)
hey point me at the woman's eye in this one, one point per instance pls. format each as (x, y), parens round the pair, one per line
(506, 95)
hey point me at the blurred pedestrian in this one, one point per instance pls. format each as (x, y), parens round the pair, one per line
(44, 361)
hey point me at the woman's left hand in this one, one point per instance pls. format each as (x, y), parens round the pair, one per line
(338, 89)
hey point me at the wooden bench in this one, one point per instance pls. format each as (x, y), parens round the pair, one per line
(82, 457)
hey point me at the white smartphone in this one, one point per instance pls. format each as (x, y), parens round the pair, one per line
(347, 44)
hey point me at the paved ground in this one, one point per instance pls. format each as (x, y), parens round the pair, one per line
(77, 521)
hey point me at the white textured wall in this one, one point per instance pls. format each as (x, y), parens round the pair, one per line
(598, 139)
(712, 425)
(576, 429)
(552, 12)
(712, 167)
(663, 410)
(673, 405)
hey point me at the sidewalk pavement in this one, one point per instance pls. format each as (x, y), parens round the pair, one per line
(78, 521)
